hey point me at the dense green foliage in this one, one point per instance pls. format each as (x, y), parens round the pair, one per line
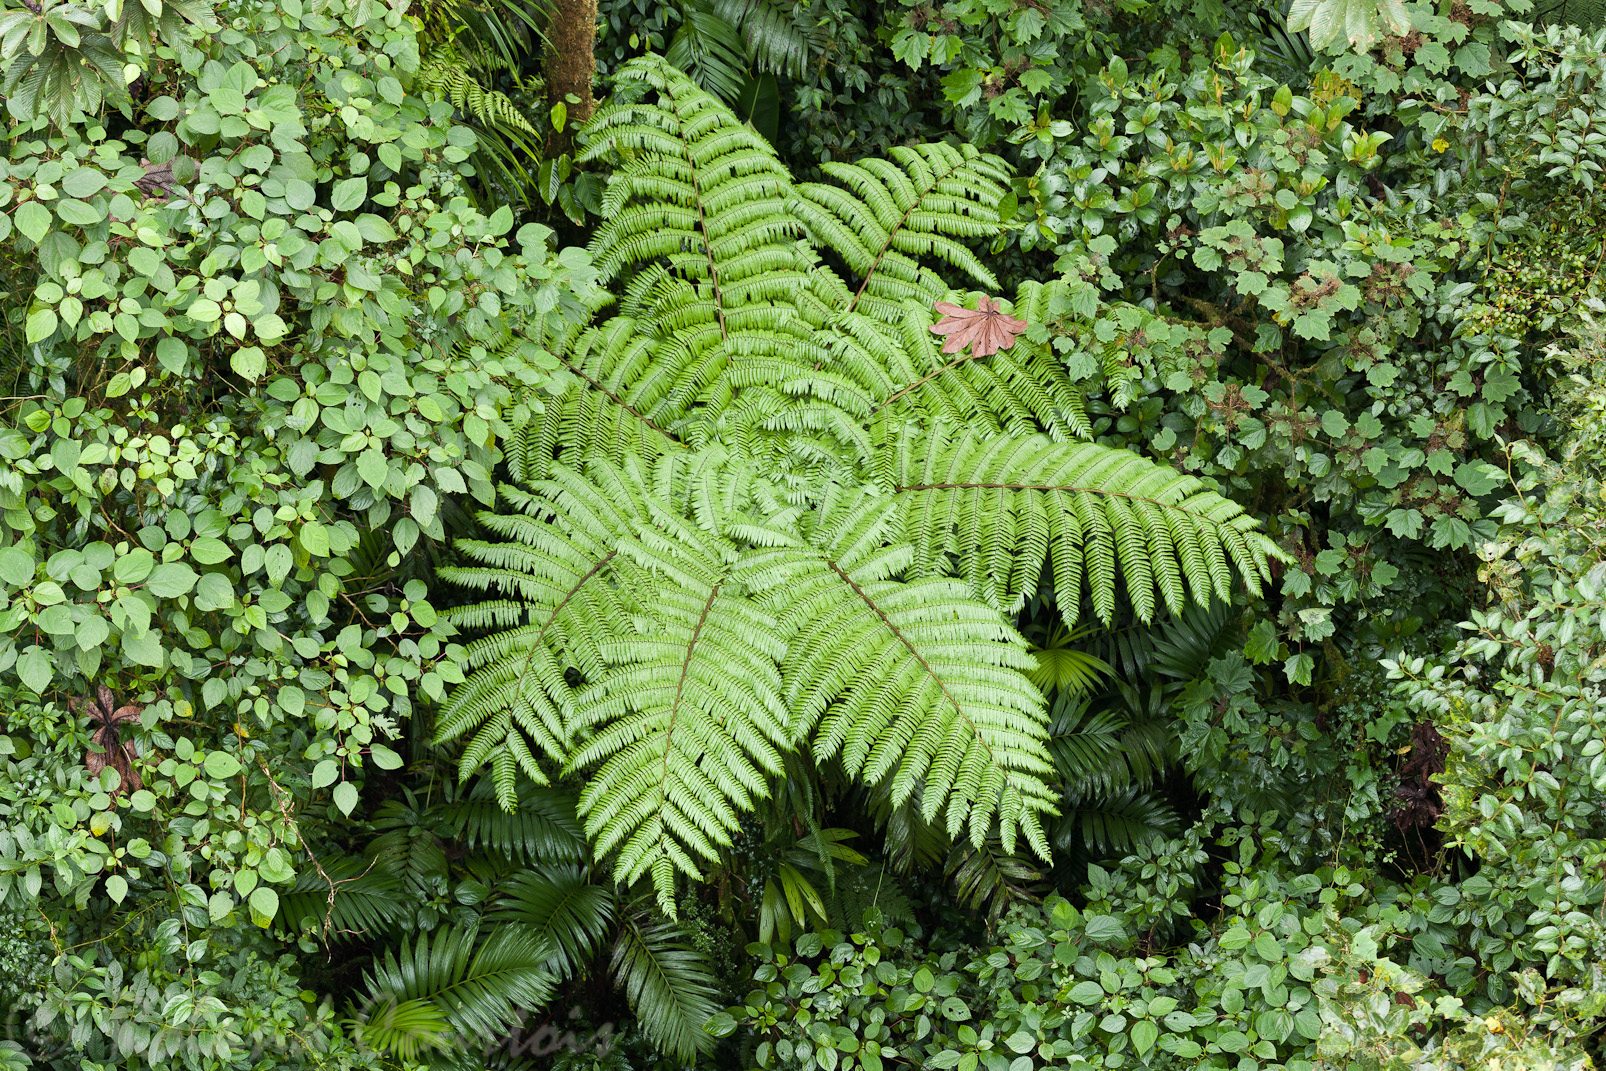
(480, 599)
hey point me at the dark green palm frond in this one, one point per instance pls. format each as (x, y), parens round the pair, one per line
(478, 992)
(410, 1030)
(1183, 646)
(1064, 667)
(542, 828)
(668, 983)
(1113, 826)
(988, 878)
(1086, 745)
(709, 50)
(780, 36)
(349, 899)
(408, 848)
(563, 909)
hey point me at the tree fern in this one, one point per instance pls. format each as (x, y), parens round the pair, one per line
(771, 517)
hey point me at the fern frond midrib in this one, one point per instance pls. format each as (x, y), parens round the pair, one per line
(959, 712)
(923, 380)
(892, 232)
(680, 684)
(626, 406)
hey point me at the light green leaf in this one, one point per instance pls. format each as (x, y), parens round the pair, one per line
(33, 220)
(346, 797)
(372, 467)
(348, 194)
(315, 538)
(264, 904)
(34, 668)
(209, 551)
(171, 580)
(16, 566)
(325, 773)
(41, 325)
(383, 757)
(221, 765)
(204, 310)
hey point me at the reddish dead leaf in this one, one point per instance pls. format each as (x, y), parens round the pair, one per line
(109, 718)
(985, 330)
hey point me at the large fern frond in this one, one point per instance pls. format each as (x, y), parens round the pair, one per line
(680, 717)
(516, 699)
(1004, 505)
(916, 684)
(884, 216)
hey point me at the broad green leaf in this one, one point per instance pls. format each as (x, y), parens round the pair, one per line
(16, 566)
(348, 194)
(315, 538)
(33, 220)
(372, 467)
(221, 765)
(170, 580)
(264, 905)
(34, 668)
(326, 773)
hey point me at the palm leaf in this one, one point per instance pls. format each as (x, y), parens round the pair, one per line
(562, 908)
(443, 978)
(669, 985)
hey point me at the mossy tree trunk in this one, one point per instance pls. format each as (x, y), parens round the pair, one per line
(570, 65)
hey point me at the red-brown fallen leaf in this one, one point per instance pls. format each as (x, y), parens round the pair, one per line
(116, 753)
(985, 330)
